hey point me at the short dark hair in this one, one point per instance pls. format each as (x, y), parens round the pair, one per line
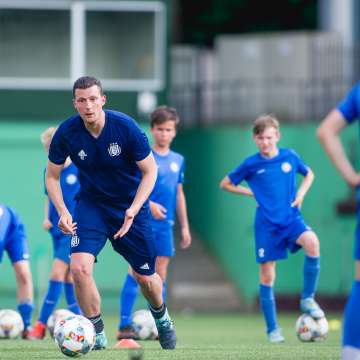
(86, 82)
(163, 114)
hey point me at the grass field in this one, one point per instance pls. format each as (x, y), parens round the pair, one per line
(200, 337)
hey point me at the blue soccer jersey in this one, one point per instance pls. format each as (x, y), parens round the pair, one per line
(70, 187)
(350, 105)
(170, 174)
(273, 183)
(106, 165)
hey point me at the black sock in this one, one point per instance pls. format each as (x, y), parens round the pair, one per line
(158, 312)
(97, 322)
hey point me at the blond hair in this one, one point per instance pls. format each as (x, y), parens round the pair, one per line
(263, 122)
(47, 135)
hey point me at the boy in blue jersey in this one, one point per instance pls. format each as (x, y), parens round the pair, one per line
(346, 113)
(60, 272)
(279, 226)
(13, 240)
(167, 196)
(117, 173)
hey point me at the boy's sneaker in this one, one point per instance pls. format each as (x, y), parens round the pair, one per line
(25, 333)
(36, 333)
(167, 334)
(100, 341)
(276, 336)
(311, 307)
(127, 332)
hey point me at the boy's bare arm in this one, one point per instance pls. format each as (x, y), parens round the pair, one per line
(227, 185)
(303, 189)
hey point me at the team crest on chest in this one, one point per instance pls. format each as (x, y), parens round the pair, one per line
(114, 149)
(174, 166)
(286, 167)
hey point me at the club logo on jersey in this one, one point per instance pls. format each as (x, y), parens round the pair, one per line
(174, 166)
(75, 240)
(82, 154)
(261, 252)
(145, 266)
(71, 179)
(114, 149)
(286, 167)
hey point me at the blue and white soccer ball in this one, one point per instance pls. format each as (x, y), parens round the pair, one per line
(11, 324)
(75, 335)
(308, 329)
(144, 325)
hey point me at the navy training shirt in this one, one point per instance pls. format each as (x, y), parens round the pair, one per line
(273, 183)
(106, 165)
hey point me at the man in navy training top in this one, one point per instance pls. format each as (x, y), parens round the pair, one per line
(167, 196)
(14, 241)
(117, 173)
(60, 275)
(346, 113)
(279, 226)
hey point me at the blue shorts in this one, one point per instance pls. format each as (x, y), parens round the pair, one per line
(98, 222)
(61, 246)
(164, 240)
(16, 244)
(274, 241)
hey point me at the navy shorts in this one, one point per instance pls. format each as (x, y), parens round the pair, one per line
(16, 244)
(164, 240)
(274, 241)
(98, 222)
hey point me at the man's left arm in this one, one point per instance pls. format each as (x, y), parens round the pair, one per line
(181, 211)
(148, 170)
(303, 189)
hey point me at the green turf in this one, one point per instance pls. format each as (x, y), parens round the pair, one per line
(200, 337)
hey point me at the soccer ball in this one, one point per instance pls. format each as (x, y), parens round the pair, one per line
(55, 318)
(309, 329)
(144, 325)
(11, 324)
(75, 335)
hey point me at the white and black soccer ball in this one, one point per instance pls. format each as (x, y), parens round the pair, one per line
(144, 325)
(308, 329)
(55, 318)
(11, 324)
(75, 335)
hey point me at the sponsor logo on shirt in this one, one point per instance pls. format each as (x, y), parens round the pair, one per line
(145, 266)
(114, 149)
(261, 171)
(71, 179)
(82, 154)
(75, 240)
(174, 166)
(286, 167)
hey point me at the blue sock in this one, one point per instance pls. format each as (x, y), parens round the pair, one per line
(70, 298)
(164, 290)
(25, 310)
(51, 299)
(268, 306)
(311, 276)
(351, 327)
(127, 300)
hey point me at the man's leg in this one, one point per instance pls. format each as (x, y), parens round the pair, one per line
(162, 264)
(70, 294)
(351, 327)
(88, 296)
(151, 287)
(24, 292)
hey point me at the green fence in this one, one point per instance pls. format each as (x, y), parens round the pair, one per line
(225, 221)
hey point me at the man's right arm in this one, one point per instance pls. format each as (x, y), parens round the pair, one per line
(227, 185)
(329, 136)
(52, 181)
